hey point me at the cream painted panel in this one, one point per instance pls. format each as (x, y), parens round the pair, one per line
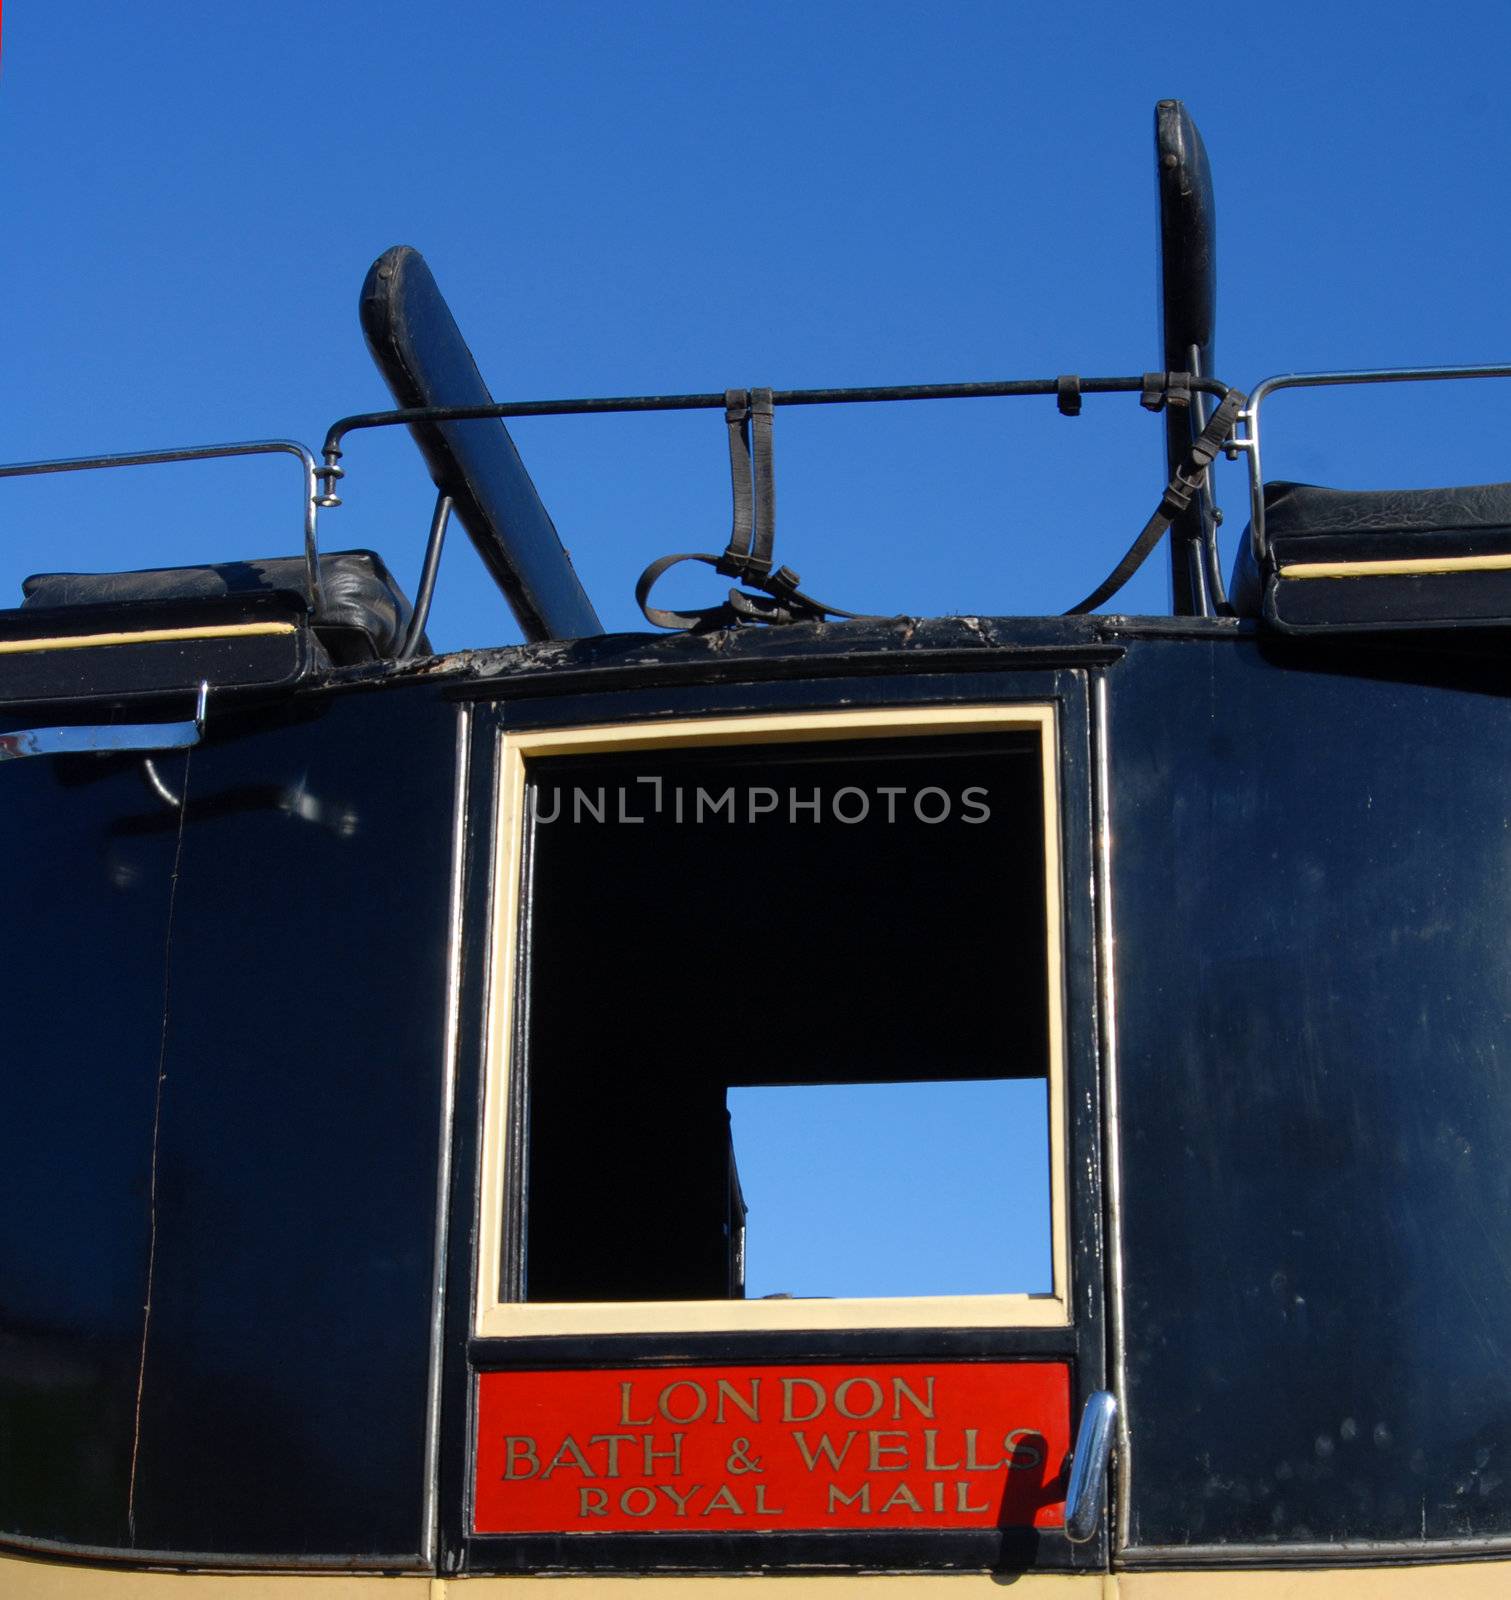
(23, 1579)
(905, 1586)
(1465, 1580)
(48, 1580)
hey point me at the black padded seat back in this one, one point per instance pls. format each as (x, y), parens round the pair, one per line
(363, 615)
(1305, 523)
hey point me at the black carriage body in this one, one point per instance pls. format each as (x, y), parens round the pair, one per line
(248, 995)
(370, 1194)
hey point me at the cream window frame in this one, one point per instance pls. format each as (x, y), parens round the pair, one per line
(497, 1318)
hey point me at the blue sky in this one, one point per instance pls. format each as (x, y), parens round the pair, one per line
(690, 196)
(848, 1193)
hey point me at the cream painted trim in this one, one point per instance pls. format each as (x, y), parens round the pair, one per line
(25, 1579)
(94, 641)
(1403, 567)
(793, 1586)
(495, 1319)
(22, 1579)
(1461, 1580)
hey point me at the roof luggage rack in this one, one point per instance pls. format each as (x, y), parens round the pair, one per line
(1327, 561)
(1315, 560)
(264, 624)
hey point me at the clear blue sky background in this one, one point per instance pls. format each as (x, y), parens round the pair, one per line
(669, 196)
(626, 198)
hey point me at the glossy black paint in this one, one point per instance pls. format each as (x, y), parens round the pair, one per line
(86, 675)
(1084, 1343)
(1311, 874)
(81, 996)
(1188, 320)
(297, 1015)
(425, 361)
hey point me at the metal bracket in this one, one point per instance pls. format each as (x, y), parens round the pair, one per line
(106, 737)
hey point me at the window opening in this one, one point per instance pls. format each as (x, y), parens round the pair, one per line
(783, 1032)
(895, 1188)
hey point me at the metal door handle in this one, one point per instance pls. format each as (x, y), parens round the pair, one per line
(106, 736)
(1088, 1467)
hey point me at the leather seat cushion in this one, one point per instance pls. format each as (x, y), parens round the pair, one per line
(1304, 522)
(363, 611)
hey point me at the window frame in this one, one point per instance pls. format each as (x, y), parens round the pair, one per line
(497, 1317)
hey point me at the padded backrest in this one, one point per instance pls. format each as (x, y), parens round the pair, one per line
(1188, 312)
(425, 361)
(364, 615)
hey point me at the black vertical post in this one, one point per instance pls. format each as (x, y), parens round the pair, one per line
(1188, 315)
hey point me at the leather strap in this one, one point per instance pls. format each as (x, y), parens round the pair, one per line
(749, 415)
(1177, 496)
(761, 418)
(737, 417)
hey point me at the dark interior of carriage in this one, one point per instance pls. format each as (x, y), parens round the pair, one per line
(866, 912)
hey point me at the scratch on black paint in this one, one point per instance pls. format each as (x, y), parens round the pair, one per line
(157, 1123)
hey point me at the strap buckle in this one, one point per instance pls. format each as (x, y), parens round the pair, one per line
(749, 415)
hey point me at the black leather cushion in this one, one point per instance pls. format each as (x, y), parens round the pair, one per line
(363, 612)
(1306, 523)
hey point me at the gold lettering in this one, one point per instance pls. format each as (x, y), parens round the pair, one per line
(902, 1495)
(724, 1500)
(962, 1493)
(727, 1391)
(626, 1420)
(938, 1496)
(862, 1494)
(592, 1502)
(1021, 1457)
(924, 1408)
(971, 1463)
(762, 1509)
(700, 1400)
(843, 1391)
(931, 1462)
(568, 1454)
(878, 1449)
(613, 1441)
(679, 1500)
(816, 1390)
(834, 1457)
(652, 1455)
(647, 1505)
(519, 1448)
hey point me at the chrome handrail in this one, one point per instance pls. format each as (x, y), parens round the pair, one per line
(97, 738)
(206, 452)
(1247, 442)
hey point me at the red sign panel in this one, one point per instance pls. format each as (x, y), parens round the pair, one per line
(735, 1449)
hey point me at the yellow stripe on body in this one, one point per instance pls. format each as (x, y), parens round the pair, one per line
(95, 641)
(1403, 567)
